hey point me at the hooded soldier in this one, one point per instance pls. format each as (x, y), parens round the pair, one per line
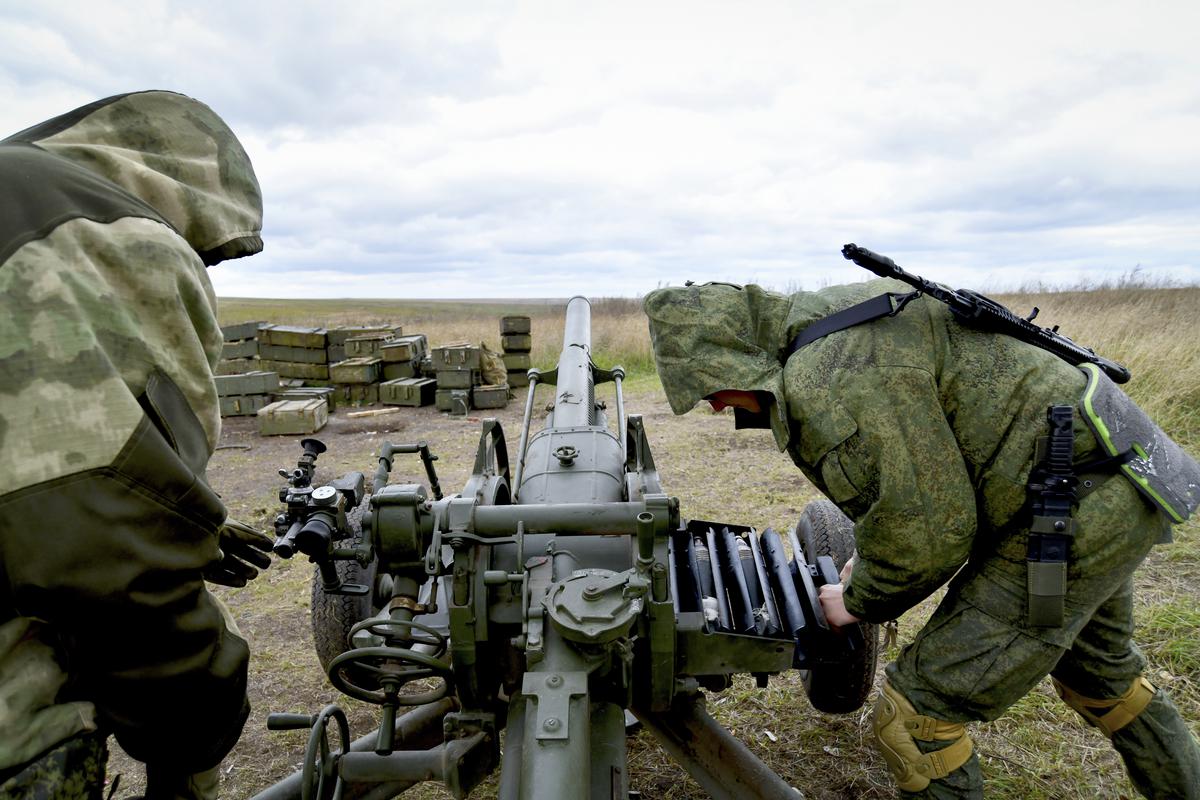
(925, 432)
(109, 216)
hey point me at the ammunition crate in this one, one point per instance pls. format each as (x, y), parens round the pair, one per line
(458, 378)
(392, 372)
(494, 396)
(241, 330)
(247, 348)
(408, 392)
(456, 401)
(516, 342)
(296, 355)
(243, 405)
(518, 380)
(247, 383)
(326, 393)
(356, 394)
(456, 356)
(356, 370)
(425, 366)
(338, 336)
(237, 366)
(336, 353)
(290, 369)
(286, 417)
(516, 362)
(514, 324)
(404, 348)
(365, 346)
(293, 336)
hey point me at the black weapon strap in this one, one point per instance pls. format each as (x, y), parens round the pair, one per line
(884, 305)
(1051, 493)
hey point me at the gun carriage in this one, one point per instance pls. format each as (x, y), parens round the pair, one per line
(551, 596)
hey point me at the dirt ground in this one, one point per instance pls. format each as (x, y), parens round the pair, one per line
(717, 474)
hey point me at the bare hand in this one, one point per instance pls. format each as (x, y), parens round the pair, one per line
(835, 607)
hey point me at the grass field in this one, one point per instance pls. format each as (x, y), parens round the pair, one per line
(1040, 749)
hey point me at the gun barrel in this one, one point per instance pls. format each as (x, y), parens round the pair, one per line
(574, 402)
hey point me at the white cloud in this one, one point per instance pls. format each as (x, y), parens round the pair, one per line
(549, 148)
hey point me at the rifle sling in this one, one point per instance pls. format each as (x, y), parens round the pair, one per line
(879, 306)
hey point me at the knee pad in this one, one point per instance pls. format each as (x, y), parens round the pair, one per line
(898, 726)
(1109, 715)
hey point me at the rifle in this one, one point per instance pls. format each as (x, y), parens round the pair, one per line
(978, 311)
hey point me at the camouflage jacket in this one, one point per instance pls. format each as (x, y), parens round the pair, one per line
(922, 430)
(108, 412)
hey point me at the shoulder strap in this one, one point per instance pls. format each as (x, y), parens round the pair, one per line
(884, 305)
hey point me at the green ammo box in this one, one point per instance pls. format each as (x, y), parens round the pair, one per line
(356, 394)
(518, 380)
(516, 342)
(364, 346)
(293, 336)
(247, 348)
(238, 366)
(514, 324)
(404, 348)
(240, 331)
(356, 370)
(456, 356)
(295, 355)
(291, 369)
(243, 405)
(338, 336)
(293, 417)
(326, 393)
(494, 396)
(458, 378)
(456, 401)
(408, 392)
(407, 369)
(247, 383)
(516, 362)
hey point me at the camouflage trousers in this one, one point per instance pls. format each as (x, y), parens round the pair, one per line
(977, 656)
(72, 770)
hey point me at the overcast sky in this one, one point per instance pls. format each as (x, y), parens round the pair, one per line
(545, 149)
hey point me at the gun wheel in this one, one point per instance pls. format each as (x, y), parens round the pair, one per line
(823, 530)
(334, 616)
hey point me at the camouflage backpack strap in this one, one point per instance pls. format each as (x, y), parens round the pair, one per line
(1159, 468)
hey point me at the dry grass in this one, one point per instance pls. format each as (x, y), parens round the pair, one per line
(1039, 749)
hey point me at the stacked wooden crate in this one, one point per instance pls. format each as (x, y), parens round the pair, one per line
(403, 383)
(516, 342)
(245, 394)
(292, 417)
(240, 351)
(458, 372)
(293, 351)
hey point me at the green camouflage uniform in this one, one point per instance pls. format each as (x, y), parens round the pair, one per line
(923, 431)
(108, 415)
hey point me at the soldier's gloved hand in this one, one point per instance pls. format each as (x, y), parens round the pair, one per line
(30, 677)
(242, 550)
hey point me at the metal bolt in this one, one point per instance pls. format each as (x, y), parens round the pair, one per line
(551, 724)
(554, 681)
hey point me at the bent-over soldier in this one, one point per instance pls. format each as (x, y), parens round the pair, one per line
(926, 433)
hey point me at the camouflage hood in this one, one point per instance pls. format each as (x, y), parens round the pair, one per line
(174, 154)
(719, 336)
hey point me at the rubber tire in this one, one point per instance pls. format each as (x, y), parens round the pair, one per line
(333, 615)
(823, 530)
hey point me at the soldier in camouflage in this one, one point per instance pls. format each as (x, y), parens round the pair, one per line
(109, 216)
(924, 432)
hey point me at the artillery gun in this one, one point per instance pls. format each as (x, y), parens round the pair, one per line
(549, 598)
